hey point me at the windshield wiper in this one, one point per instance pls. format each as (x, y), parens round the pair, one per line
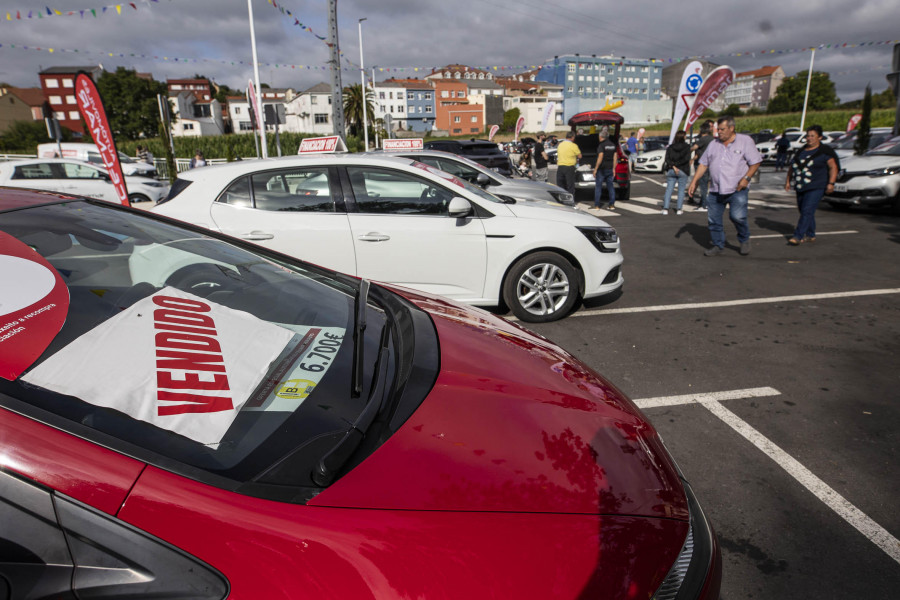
(330, 464)
(359, 328)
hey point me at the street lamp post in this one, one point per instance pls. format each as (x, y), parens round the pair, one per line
(362, 78)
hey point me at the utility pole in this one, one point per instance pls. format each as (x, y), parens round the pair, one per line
(259, 117)
(808, 82)
(362, 77)
(337, 102)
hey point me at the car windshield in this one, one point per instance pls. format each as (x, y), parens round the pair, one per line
(891, 147)
(125, 158)
(848, 141)
(187, 345)
(453, 180)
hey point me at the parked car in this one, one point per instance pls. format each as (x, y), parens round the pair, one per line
(769, 152)
(185, 415)
(652, 158)
(503, 187)
(483, 152)
(76, 177)
(871, 180)
(587, 143)
(401, 221)
(845, 146)
(89, 153)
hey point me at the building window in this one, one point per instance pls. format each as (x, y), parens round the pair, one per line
(428, 109)
(59, 115)
(68, 83)
(74, 115)
(428, 95)
(570, 67)
(445, 94)
(187, 126)
(70, 99)
(569, 89)
(460, 94)
(315, 99)
(457, 131)
(400, 108)
(456, 119)
(321, 118)
(55, 99)
(237, 110)
(410, 95)
(474, 119)
(52, 83)
(245, 126)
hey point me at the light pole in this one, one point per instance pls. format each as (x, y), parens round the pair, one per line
(362, 78)
(260, 120)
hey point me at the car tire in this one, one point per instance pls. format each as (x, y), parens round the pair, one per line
(137, 198)
(541, 287)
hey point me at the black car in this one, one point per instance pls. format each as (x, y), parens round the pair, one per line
(483, 152)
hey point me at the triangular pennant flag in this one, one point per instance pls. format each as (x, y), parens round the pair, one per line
(94, 12)
(119, 8)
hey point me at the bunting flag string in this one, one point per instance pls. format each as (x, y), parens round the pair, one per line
(285, 12)
(48, 12)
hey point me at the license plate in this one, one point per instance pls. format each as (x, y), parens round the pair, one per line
(840, 187)
(588, 177)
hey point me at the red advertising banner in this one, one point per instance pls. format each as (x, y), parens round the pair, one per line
(251, 97)
(853, 122)
(33, 307)
(713, 87)
(91, 107)
(519, 125)
(494, 130)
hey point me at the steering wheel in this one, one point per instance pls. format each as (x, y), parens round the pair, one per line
(201, 279)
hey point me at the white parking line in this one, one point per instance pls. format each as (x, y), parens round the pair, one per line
(786, 235)
(876, 534)
(708, 397)
(637, 208)
(652, 181)
(726, 303)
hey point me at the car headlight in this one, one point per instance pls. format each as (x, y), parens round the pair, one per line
(602, 238)
(655, 158)
(563, 197)
(885, 171)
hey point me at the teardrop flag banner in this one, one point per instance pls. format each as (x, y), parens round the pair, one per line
(91, 106)
(548, 111)
(519, 125)
(714, 86)
(494, 130)
(853, 122)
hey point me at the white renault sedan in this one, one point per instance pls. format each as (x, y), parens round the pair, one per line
(78, 178)
(400, 221)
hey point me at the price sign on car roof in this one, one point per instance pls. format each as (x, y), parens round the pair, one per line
(320, 145)
(404, 144)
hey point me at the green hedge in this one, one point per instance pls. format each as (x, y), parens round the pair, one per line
(225, 146)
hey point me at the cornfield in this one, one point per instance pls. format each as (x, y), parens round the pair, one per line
(228, 147)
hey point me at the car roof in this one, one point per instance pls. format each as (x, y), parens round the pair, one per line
(15, 198)
(243, 167)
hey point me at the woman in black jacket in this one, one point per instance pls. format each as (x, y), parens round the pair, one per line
(677, 165)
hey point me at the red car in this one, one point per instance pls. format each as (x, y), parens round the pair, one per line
(185, 415)
(587, 125)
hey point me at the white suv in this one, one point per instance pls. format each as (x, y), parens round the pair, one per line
(404, 222)
(872, 179)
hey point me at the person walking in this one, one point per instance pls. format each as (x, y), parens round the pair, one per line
(604, 170)
(678, 166)
(699, 147)
(632, 144)
(732, 160)
(540, 158)
(198, 160)
(782, 146)
(567, 156)
(812, 174)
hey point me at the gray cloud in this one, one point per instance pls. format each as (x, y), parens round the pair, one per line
(410, 33)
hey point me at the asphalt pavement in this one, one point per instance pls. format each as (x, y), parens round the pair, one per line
(773, 379)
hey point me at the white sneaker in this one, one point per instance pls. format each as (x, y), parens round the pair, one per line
(700, 209)
(679, 212)
(663, 212)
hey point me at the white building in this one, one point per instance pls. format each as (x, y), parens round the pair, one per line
(310, 111)
(390, 99)
(195, 118)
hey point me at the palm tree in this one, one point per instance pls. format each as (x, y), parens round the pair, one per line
(353, 107)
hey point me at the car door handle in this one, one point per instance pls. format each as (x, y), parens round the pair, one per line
(257, 235)
(374, 236)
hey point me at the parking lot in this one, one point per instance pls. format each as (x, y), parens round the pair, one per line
(773, 380)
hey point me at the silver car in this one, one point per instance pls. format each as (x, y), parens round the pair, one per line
(495, 183)
(872, 179)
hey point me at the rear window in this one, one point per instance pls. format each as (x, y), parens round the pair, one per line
(481, 149)
(179, 186)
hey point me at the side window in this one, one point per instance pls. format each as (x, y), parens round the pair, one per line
(237, 194)
(76, 171)
(463, 171)
(383, 191)
(94, 157)
(38, 171)
(293, 190)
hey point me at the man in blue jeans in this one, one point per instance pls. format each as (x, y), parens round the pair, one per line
(604, 170)
(731, 160)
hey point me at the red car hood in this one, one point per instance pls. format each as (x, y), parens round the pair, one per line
(514, 424)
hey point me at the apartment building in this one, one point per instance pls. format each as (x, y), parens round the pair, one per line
(58, 86)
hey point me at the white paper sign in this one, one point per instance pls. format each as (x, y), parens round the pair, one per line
(174, 360)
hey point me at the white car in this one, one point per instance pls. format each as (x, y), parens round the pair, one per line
(77, 178)
(845, 146)
(404, 222)
(86, 152)
(872, 179)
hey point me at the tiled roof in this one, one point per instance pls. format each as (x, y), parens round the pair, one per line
(319, 88)
(30, 96)
(763, 72)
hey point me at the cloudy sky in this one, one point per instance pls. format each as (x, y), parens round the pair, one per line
(211, 37)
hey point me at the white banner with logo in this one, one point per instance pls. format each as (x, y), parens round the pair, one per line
(548, 112)
(173, 359)
(691, 80)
